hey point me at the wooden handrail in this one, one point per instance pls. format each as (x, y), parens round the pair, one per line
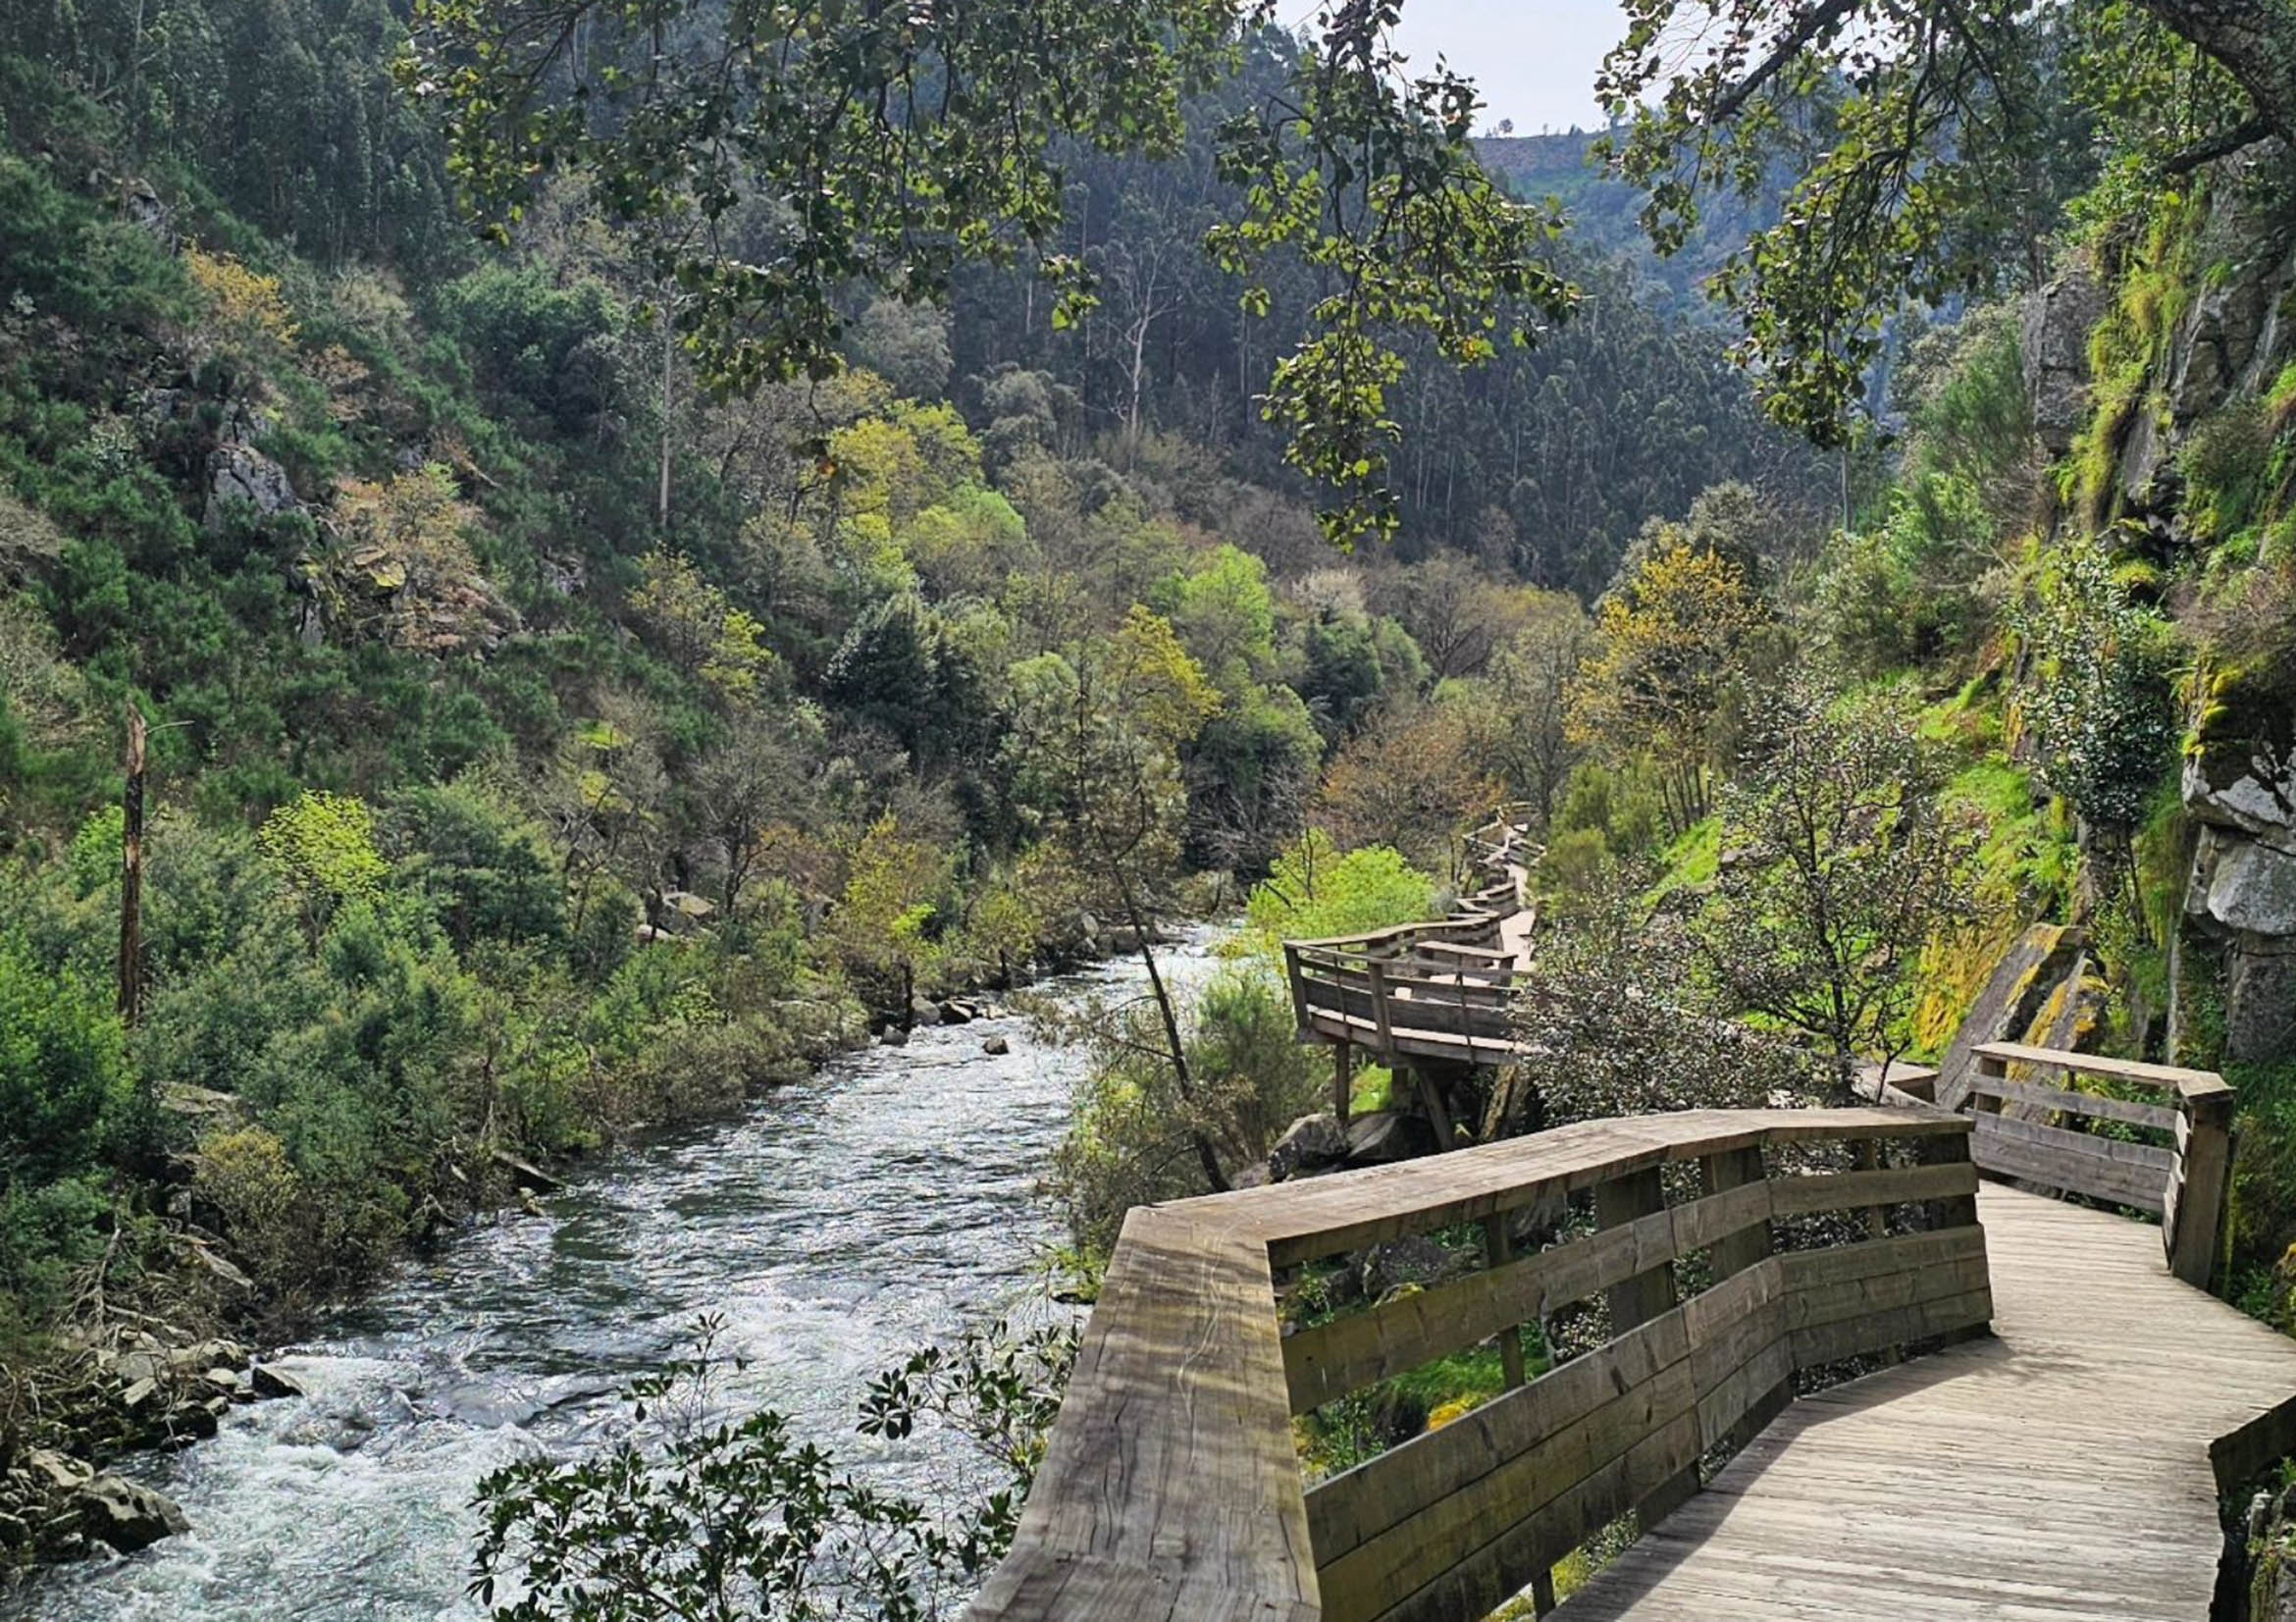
(1170, 1488)
(2184, 1182)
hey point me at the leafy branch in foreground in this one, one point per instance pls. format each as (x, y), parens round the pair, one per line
(737, 1520)
(773, 157)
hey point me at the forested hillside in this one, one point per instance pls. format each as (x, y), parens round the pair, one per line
(543, 596)
(540, 743)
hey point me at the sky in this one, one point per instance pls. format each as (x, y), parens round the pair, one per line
(1534, 60)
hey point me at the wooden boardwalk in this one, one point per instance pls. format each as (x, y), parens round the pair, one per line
(2062, 1469)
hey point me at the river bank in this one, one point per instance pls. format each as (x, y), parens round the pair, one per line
(838, 1222)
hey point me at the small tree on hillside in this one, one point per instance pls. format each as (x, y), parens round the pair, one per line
(1841, 861)
(1671, 642)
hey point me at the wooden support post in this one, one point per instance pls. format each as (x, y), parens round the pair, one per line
(2198, 1185)
(1342, 1080)
(1637, 1300)
(1438, 1114)
(1734, 1253)
(1376, 973)
(1948, 1149)
(1499, 1249)
(1994, 1069)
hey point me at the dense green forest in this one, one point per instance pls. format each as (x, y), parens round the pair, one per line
(487, 669)
(541, 743)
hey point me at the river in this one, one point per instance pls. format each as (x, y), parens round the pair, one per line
(838, 1225)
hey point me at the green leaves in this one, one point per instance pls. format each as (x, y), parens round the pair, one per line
(713, 1518)
(774, 160)
(1369, 178)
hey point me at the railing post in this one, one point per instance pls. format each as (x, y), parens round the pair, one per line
(1734, 1253)
(1992, 1069)
(2204, 1169)
(1299, 1005)
(1637, 1300)
(1375, 972)
(1342, 1080)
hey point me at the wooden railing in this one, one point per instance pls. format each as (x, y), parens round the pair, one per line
(2172, 1159)
(1424, 997)
(1442, 990)
(1171, 1489)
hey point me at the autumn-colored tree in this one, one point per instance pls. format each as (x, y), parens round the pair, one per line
(1671, 643)
(401, 566)
(1411, 780)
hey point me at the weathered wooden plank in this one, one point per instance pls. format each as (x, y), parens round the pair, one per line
(1175, 1404)
(1351, 1509)
(1327, 1216)
(2144, 1157)
(1448, 1532)
(2158, 1115)
(1349, 1353)
(2063, 1470)
(2014, 1148)
(1873, 1331)
(2172, 1078)
(1850, 1190)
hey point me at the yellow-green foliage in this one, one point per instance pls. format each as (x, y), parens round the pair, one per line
(2025, 870)
(2154, 291)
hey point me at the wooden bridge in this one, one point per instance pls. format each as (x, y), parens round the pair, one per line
(1432, 1000)
(1793, 1363)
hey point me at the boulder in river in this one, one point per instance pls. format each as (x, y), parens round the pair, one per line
(957, 1011)
(996, 1047)
(268, 1383)
(55, 1471)
(127, 1515)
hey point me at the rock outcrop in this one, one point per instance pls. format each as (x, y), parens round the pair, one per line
(2015, 996)
(2240, 786)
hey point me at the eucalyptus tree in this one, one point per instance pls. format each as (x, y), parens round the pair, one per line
(778, 153)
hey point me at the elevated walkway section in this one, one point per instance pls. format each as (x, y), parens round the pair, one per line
(2069, 1467)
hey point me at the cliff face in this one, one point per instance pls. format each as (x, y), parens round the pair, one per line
(2160, 368)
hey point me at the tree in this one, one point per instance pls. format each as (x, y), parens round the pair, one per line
(886, 923)
(1519, 715)
(1411, 779)
(1934, 144)
(1842, 863)
(1616, 1020)
(1670, 642)
(695, 1515)
(1094, 759)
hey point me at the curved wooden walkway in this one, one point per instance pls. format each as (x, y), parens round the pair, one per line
(2066, 1468)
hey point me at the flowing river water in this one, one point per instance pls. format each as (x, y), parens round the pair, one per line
(886, 1203)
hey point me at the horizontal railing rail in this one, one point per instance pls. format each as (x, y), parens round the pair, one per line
(1728, 1252)
(2172, 1160)
(1438, 989)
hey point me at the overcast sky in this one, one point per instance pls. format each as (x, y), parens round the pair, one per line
(1534, 60)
